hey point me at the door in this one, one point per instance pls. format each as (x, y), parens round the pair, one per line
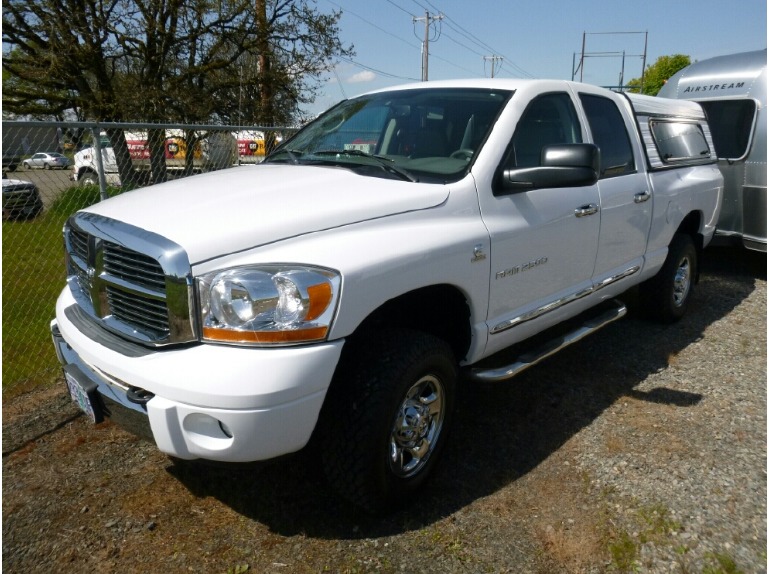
(624, 194)
(543, 241)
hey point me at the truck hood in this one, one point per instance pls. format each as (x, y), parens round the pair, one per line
(222, 212)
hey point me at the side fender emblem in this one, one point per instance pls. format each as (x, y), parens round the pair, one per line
(478, 253)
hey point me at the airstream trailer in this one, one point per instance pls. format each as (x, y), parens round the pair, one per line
(733, 91)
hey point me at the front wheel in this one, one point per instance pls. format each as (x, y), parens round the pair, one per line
(667, 295)
(89, 178)
(387, 417)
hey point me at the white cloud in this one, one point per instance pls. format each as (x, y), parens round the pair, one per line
(361, 77)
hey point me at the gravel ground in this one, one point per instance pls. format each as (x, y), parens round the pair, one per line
(642, 448)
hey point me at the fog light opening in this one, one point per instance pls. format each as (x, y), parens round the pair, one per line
(207, 432)
(225, 429)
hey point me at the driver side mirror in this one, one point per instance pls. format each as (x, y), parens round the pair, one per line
(561, 165)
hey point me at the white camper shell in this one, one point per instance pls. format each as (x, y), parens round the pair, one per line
(733, 91)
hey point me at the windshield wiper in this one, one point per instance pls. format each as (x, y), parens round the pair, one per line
(293, 155)
(385, 162)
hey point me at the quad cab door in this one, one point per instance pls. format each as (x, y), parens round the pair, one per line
(543, 240)
(624, 193)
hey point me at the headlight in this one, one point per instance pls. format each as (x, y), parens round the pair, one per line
(275, 304)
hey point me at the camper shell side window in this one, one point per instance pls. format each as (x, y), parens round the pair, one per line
(679, 141)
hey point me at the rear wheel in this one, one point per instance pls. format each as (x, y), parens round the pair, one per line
(667, 295)
(387, 417)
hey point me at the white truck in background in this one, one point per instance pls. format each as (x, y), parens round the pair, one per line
(217, 151)
(406, 241)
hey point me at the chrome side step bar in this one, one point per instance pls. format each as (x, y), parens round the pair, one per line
(534, 356)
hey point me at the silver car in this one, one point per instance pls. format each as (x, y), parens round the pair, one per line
(50, 160)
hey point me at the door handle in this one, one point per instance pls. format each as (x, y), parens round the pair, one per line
(642, 197)
(586, 210)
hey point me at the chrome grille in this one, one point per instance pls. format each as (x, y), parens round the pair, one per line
(79, 242)
(115, 279)
(132, 266)
(137, 310)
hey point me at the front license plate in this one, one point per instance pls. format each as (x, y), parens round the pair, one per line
(83, 395)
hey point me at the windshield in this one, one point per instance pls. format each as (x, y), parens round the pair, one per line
(425, 134)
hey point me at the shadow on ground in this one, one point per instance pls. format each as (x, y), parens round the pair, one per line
(501, 432)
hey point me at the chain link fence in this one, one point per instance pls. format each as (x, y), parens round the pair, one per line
(50, 170)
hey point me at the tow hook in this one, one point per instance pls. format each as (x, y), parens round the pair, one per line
(139, 396)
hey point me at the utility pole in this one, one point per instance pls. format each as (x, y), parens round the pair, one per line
(428, 19)
(494, 59)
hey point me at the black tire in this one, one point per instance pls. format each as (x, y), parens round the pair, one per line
(37, 210)
(667, 295)
(89, 178)
(387, 416)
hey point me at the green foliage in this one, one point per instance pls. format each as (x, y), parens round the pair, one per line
(657, 74)
(658, 525)
(33, 276)
(721, 564)
(79, 197)
(654, 526)
(624, 551)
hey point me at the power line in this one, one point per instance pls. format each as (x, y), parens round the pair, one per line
(399, 7)
(486, 47)
(373, 25)
(388, 74)
(430, 21)
(462, 45)
(381, 29)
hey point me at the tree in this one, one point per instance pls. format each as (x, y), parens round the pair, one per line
(161, 61)
(655, 75)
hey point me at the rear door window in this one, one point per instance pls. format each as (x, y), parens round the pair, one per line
(610, 134)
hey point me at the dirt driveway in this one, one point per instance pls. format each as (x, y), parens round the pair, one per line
(642, 448)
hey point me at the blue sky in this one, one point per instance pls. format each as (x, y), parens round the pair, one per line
(534, 38)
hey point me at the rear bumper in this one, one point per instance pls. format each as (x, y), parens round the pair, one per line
(220, 403)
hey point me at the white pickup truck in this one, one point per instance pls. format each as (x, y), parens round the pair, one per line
(341, 289)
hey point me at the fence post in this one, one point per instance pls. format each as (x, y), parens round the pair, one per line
(99, 163)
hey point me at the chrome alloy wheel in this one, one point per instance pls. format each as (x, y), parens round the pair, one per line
(416, 427)
(682, 281)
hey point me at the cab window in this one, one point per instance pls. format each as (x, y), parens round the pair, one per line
(549, 119)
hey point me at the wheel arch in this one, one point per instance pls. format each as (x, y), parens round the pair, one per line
(83, 170)
(440, 310)
(691, 225)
